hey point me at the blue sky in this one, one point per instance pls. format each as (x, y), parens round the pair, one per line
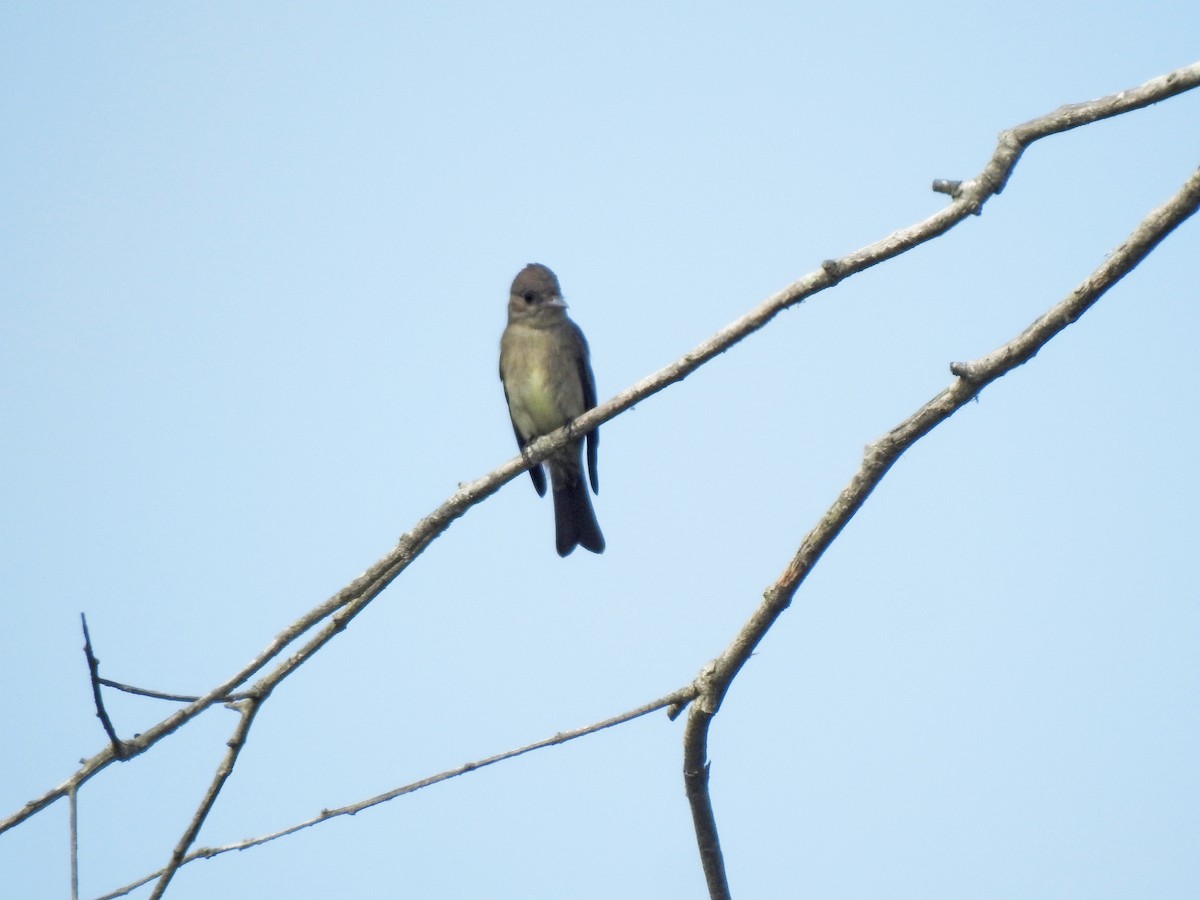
(256, 262)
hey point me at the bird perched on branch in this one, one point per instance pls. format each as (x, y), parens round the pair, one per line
(548, 382)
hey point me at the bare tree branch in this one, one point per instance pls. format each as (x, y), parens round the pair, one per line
(164, 695)
(681, 696)
(248, 709)
(971, 378)
(695, 783)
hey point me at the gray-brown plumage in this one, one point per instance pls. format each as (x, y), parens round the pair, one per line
(548, 382)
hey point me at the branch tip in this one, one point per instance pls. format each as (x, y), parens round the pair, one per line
(951, 188)
(965, 371)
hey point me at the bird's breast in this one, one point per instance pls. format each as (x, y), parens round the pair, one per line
(537, 379)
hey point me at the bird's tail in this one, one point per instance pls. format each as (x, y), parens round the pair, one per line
(575, 522)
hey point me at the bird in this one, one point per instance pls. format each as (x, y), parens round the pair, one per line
(548, 382)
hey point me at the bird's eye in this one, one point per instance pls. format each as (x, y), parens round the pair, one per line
(528, 296)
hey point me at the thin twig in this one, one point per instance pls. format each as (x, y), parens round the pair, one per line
(970, 379)
(94, 671)
(163, 695)
(679, 697)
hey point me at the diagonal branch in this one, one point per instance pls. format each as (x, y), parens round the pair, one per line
(970, 379)
(248, 709)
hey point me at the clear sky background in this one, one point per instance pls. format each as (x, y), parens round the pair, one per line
(255, 263)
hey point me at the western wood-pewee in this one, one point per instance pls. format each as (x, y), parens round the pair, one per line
(548, 382)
